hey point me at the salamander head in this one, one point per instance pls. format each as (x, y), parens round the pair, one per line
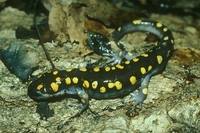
(45, 86)
(38, 90)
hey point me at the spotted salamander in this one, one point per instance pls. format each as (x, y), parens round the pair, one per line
(127, 77)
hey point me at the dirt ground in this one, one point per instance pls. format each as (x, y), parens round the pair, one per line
(172, 105)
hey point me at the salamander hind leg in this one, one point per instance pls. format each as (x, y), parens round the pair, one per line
(102, 46)
(138, 96)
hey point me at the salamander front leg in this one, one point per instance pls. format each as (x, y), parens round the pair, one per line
(138, 96)
(84, 101)
(44, 110)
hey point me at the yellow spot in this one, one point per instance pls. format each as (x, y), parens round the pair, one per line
(68, 69)
(111, 85)
(144, 55)
(94, 84)
(142, 70)
(75, 80)
(136, 59)
(119, 29)
(137, 21)
(40, 86)
(133, 80)
(172, 41)
(149, 68)
(86, 84)
(113, 68)
(158, 25)
(102, 89)
(68, 81)
(55, 72)
(145, 91)
(127, 62)
(159, 59)
(118, 85)
(166, 38)
(82, 100)
(39, 76)
(54, 86)
(58, 79)
(96, 69)
(165, 29)
(119, 66)
(83, 69)
(107, 69)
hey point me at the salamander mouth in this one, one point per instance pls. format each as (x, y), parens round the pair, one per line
(37, 95)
